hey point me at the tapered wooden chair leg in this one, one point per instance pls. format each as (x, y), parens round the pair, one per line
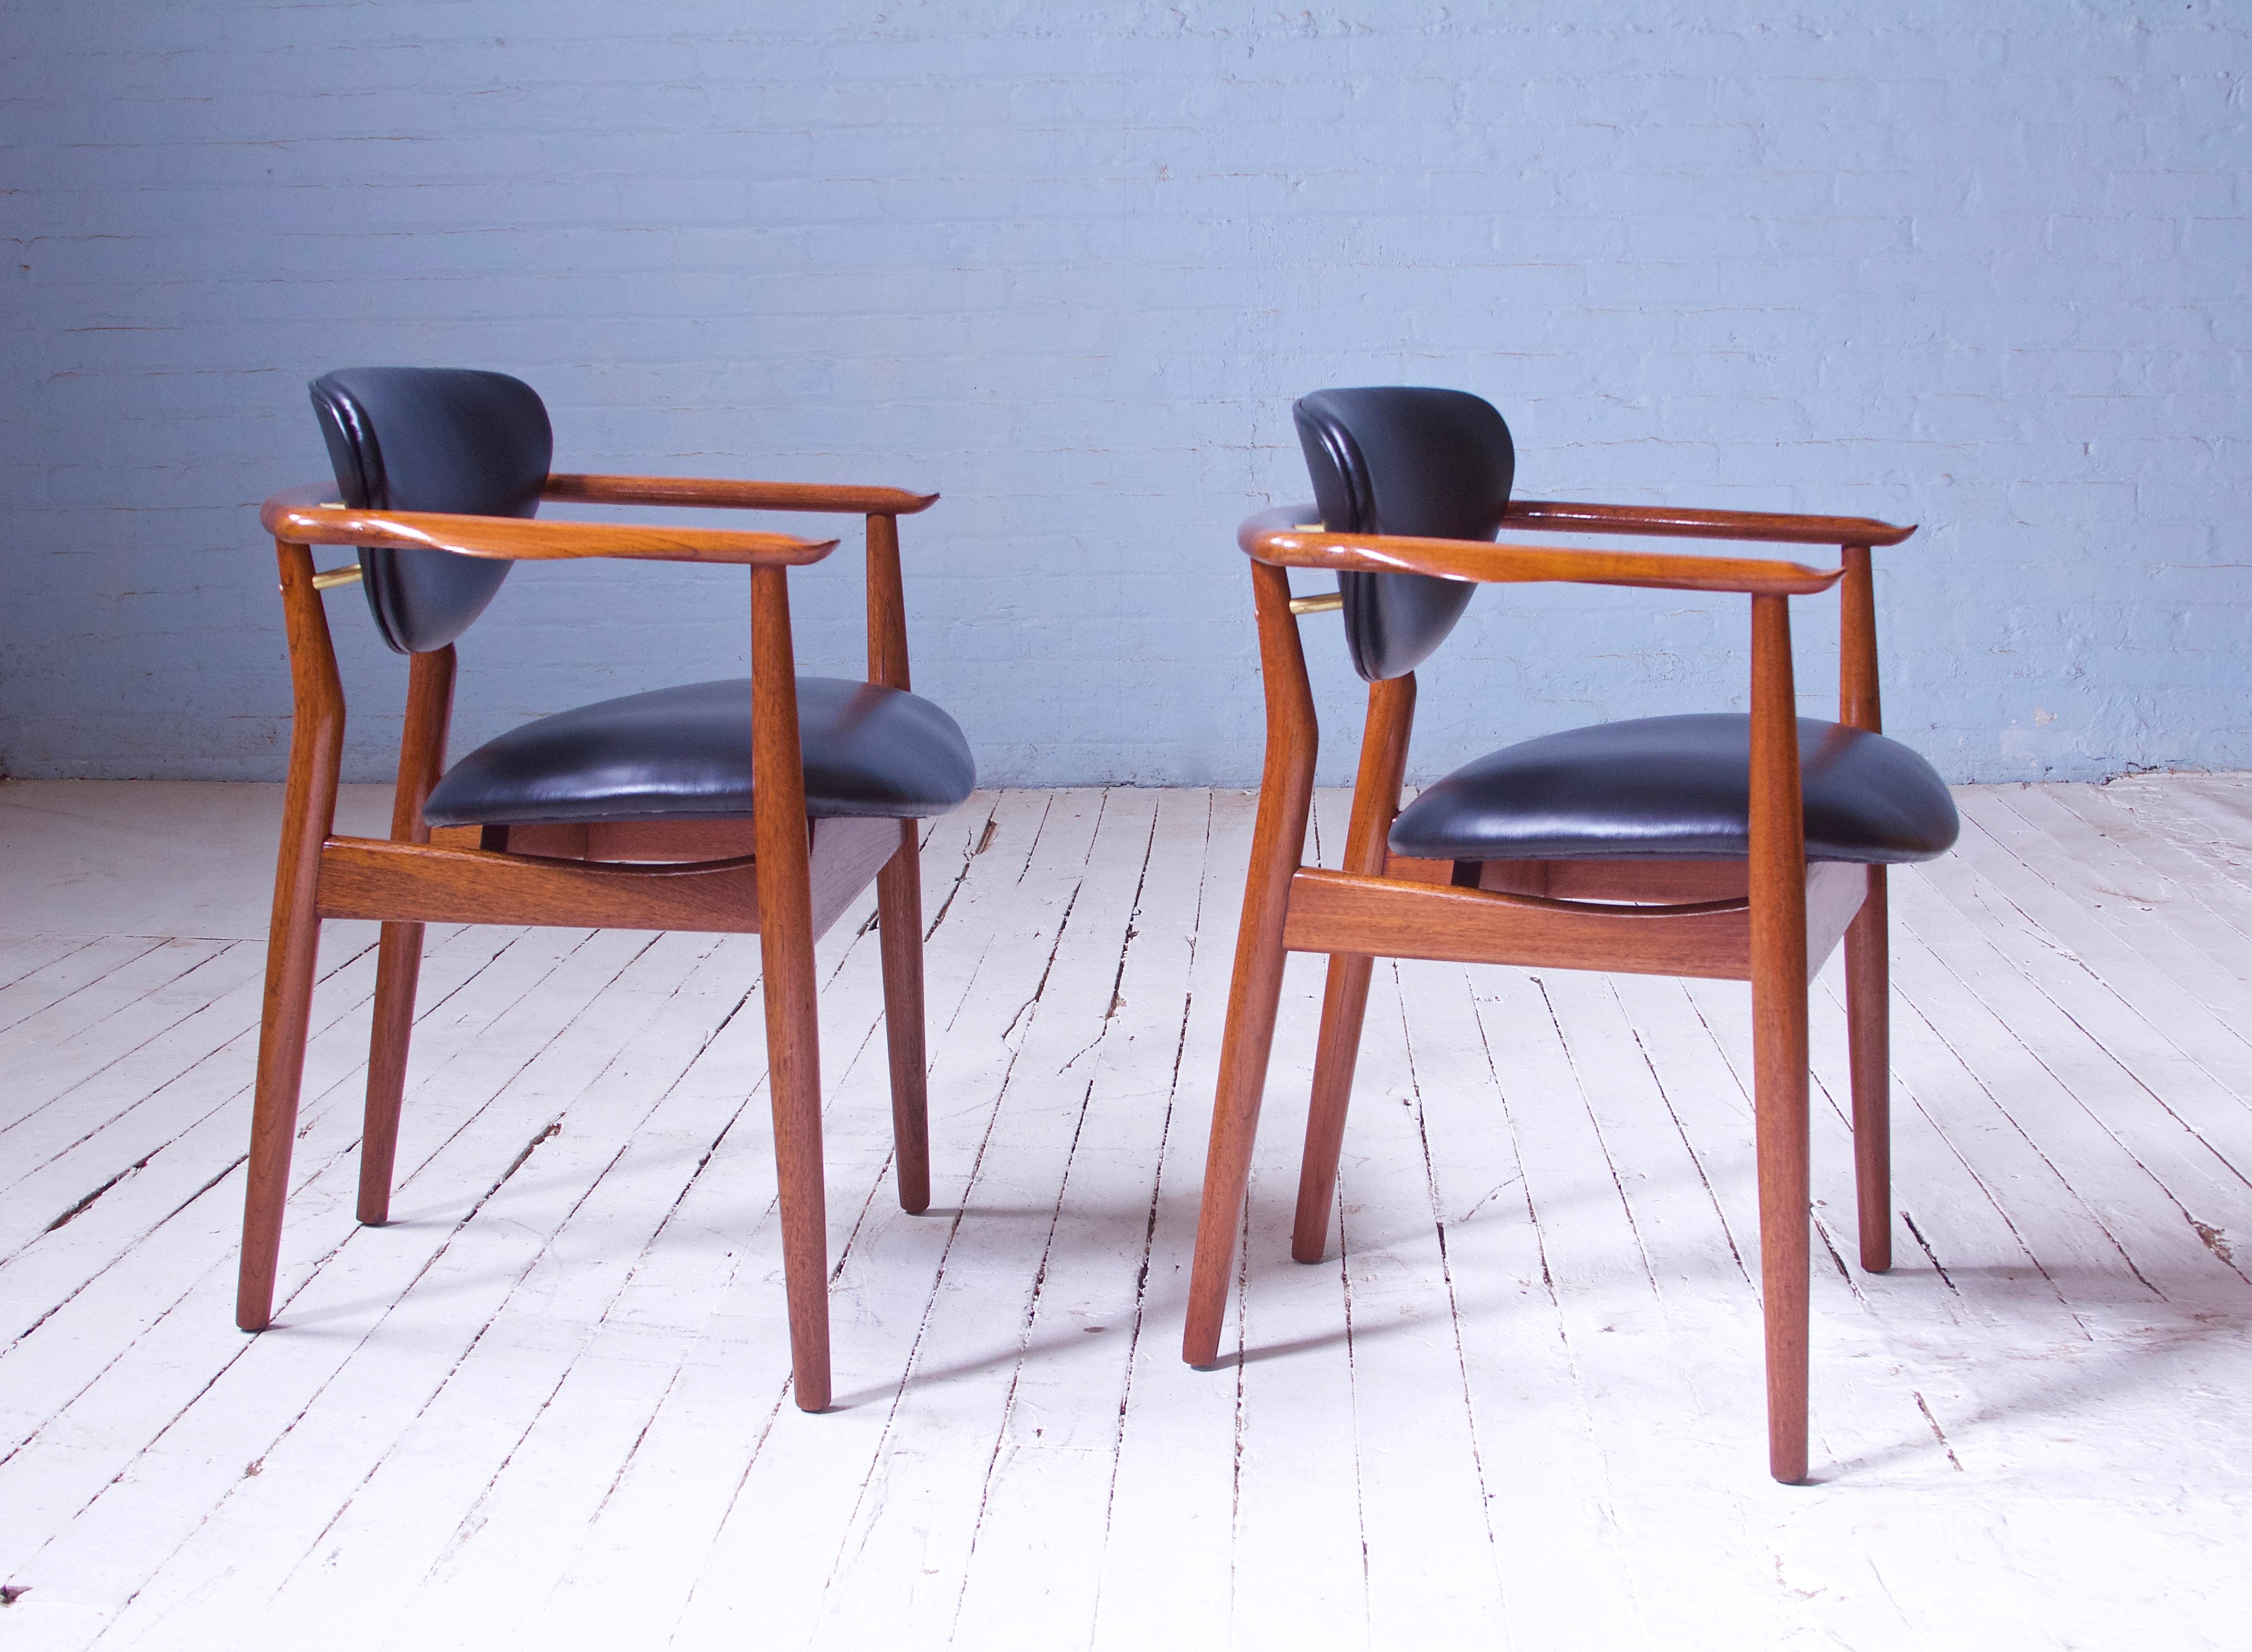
(1278, 839)
(899, 927)
(1785, 1217)
(398, 969)
(794, 1085)
(398, 959)
(1345, 1006)
(289, 967)
(1251, 1005)
(1869, 1026)
(293, 944)
(786, 962)
(1778, 971)
(795, 1080)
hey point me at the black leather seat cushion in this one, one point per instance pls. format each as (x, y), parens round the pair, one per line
(684, 753)
(1677, 787)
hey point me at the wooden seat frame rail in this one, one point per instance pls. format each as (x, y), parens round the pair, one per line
(778, 874)
(1771, 920)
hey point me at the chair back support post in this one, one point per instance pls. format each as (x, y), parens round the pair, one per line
(423, 741)
(899, 893)
(887, 607)
(1857, 705)
(1344, 994)
(1868, 963)
(786, 951)
(1383, 767)
(1278, 841)
(1779, 1051)
(317, 736)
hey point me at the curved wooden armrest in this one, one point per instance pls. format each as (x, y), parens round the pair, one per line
(1547, 516)
(1273, 537)
(720, 495)
(299, 516)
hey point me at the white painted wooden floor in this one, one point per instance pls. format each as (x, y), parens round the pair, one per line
(546, 1407)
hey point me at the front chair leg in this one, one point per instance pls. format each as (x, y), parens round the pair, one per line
(1345, 1006)
(1253, 1002)
(294, 946)
(794, 1080)
(786, 956)
(899, 929)
(1777, 873)
(1278, 840)
(1779, 1057)
(1868, 1030)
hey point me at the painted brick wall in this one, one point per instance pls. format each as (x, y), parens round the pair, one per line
(1983, 267)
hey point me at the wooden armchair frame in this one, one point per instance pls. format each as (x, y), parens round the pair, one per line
(1771, 921)
(780, 876)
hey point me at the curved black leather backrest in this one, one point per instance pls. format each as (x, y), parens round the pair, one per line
(442, 439)
(1424, 463)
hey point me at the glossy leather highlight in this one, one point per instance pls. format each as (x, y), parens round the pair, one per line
(444, 439)
(684, 753)
(1676, 788)
(1397, 460)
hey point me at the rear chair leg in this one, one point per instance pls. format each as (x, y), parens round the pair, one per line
(1345, 1005)
(399, 961)
(1869, 1026)
(398, 968)
(1345, 1001)
(899, 927)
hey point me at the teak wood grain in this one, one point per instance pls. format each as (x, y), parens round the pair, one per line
(1772, 527)
(1868, 1006)
(1286, 791)
(899, 893)
(1770, 919)
(300, 515)
(1778, 962)
(720, 494)
(785, 946)
(1344, 995)
(399, 967)
(1273, 537)
(647, 842)
(309, 811)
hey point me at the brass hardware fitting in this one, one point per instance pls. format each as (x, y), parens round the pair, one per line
(1328, 602)
(329, 579)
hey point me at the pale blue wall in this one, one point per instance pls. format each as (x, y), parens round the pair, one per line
(1983, 267)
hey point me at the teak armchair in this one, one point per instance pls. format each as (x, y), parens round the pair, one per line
(1740, 847)
(638, 813)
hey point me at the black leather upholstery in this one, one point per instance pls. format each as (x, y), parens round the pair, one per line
(1421, 463)
(441, 438)
(684, 753)
(1677, 787)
